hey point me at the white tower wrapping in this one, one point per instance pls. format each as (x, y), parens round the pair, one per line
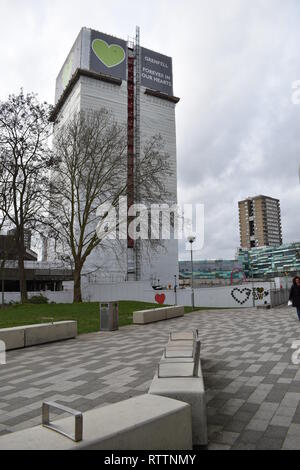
(91, 80)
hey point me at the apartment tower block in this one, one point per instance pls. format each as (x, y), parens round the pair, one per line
(260, 222)
(136, 85)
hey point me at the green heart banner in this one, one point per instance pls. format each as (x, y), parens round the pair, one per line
(110, 55)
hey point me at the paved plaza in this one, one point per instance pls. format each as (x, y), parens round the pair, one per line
(253, 388)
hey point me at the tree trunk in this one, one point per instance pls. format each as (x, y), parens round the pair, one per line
(77, 297)
(22, 277)
(2, 289)
(21, 265)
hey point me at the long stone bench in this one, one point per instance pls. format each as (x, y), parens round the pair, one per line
(49, 333)
(142, 317)
(14, 338)
(145, 422)
(31, 335)
(175, 380)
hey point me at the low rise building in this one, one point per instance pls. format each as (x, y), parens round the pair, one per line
(40, 276)
(211, 271)
(271, 262)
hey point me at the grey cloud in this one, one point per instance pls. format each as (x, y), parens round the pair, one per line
(234, 64)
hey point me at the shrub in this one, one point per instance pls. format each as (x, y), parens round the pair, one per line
(38, 299)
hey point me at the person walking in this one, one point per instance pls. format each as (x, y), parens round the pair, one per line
(295, 294)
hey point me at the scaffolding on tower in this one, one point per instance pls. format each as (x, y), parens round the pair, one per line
(134, 145)
(137, 142)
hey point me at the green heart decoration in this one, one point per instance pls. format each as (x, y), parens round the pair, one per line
(67, 71)
(110, 56)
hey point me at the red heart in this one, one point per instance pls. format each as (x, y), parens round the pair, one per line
(160, 299)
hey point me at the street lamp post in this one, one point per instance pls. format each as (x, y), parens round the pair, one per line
(175, 288)
(253, 288)
(191, 240)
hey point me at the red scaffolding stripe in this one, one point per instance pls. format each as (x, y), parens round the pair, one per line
(130, 173)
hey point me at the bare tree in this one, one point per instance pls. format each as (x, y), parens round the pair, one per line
(90, 152)
(24, 166)
(3, 257)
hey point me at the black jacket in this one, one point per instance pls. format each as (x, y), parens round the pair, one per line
(295, 295)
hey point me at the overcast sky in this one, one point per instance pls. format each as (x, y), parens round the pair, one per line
(238, 132)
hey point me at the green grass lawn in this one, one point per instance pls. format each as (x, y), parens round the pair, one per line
(86, 314)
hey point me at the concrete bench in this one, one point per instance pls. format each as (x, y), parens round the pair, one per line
(144, 422)
(31, 335)
(14, 338)
(157, 314)
(50, 332)
(175, 380)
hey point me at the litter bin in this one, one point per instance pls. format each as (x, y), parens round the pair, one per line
(109, 316)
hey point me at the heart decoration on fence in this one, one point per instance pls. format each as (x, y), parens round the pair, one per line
(160, 298)
(241, 296)
(259, 293)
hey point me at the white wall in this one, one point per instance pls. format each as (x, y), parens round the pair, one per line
(63, 297)
(219, 297)
(222, 297)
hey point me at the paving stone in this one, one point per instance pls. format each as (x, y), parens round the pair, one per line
(294, 430)
(253, 389)
(214, 446)
(285, 411)
(265, 414)
(249, 408)
(235, 426)
(277, 432)
(296, 418)
(213, 429)
(291, 399)
(258, 396)
(258, 424)
(291, 443)
(244, 416)
(271, 379)
(281, 421)
(250, 436)
(275, 396)
(245, 392)
(219, 419)
(232, 406)
(224, 437)
(243, 446)
(269, 444)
